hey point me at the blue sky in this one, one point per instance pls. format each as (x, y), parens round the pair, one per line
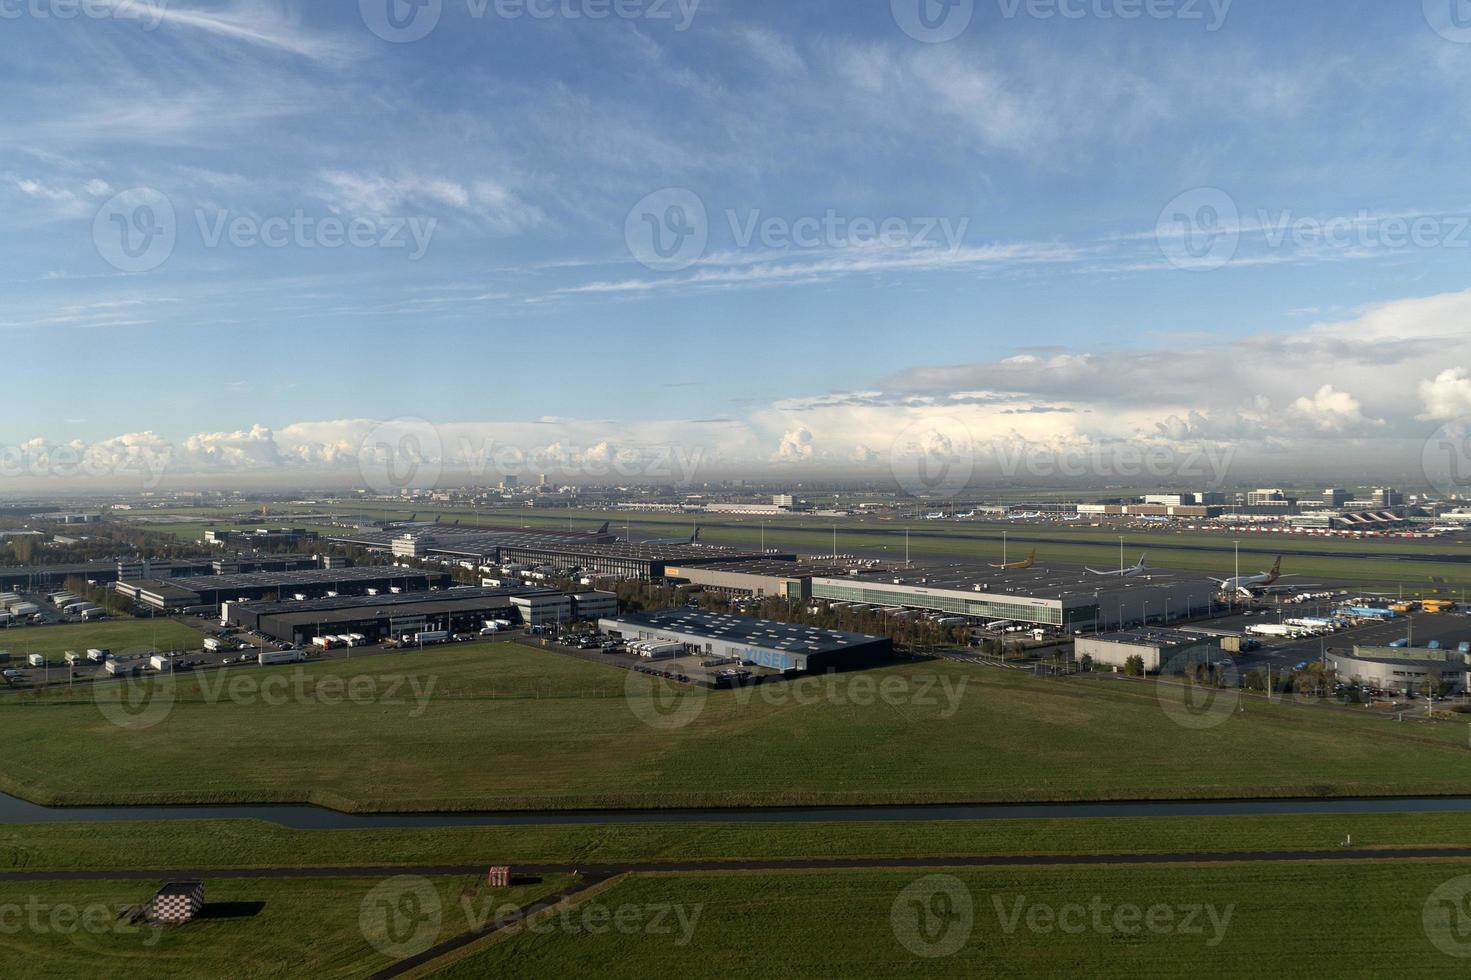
(1025, 170)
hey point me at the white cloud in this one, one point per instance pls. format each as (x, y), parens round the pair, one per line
(1447, 397)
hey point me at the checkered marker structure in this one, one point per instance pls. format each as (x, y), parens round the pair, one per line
(177, 902)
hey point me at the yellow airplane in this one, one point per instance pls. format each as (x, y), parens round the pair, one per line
(1017, 566)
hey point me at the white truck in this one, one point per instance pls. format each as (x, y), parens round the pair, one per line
(36, 660)
(213, 644)
(90, 614)
(267, 658)
(98, 656)
(160, 662)
(72, 657)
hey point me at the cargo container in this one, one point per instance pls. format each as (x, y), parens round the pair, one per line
(72, 657)
(36, 660)
(268, 657)
(159, 662)
(94, 613)
(213, 644)
(97, 656)
(431, 637)
(24, 609)
(117, 669)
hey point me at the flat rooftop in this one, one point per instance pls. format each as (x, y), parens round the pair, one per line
(786, 637)
(669, 554)
(1155, 637)
(305, 576)
(775, 568)
(448, 597)
(1047, 580)
(466, 541)
(418, 604)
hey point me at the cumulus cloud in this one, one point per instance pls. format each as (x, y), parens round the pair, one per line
(1447, 396)
(1331, 410)
(798, 445)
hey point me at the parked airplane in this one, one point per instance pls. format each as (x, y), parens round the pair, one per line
(692, 539)
(965, 516)
(1017, 566)
(1133, 572)
(936, 516)
(1244, 584)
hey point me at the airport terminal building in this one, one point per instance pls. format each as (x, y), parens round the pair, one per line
(1403, 669)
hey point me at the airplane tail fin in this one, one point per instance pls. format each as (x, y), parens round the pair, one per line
(696, 538)
(604, 528)
(1277, 568)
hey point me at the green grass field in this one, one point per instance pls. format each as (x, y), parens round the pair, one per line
(1245, 920)
(144, 845)
(118, 635)
(505, 726)
(265, 928)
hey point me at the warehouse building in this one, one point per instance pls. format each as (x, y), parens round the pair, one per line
(1065, 597)
(479, 544)
(644, 562)
(787, 647)
(1403, 670)
(210, 591)
(376, 617)
(788, 579)
(1164, 651)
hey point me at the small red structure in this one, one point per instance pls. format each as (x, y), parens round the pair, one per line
(499, 877)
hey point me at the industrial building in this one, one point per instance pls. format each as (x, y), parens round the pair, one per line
(1164, 651)
(279, 537)
(786, 647)
(1059, 596)
(1403, 670)
(480, 544)
(788, 579)
(212, 590)
(460, 610)
(645, 562)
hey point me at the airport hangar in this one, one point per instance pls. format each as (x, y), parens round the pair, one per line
(460, 610)
(1163, 651)
(209, 591)
(779, 646)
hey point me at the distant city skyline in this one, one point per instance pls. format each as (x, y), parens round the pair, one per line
(697, 240)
